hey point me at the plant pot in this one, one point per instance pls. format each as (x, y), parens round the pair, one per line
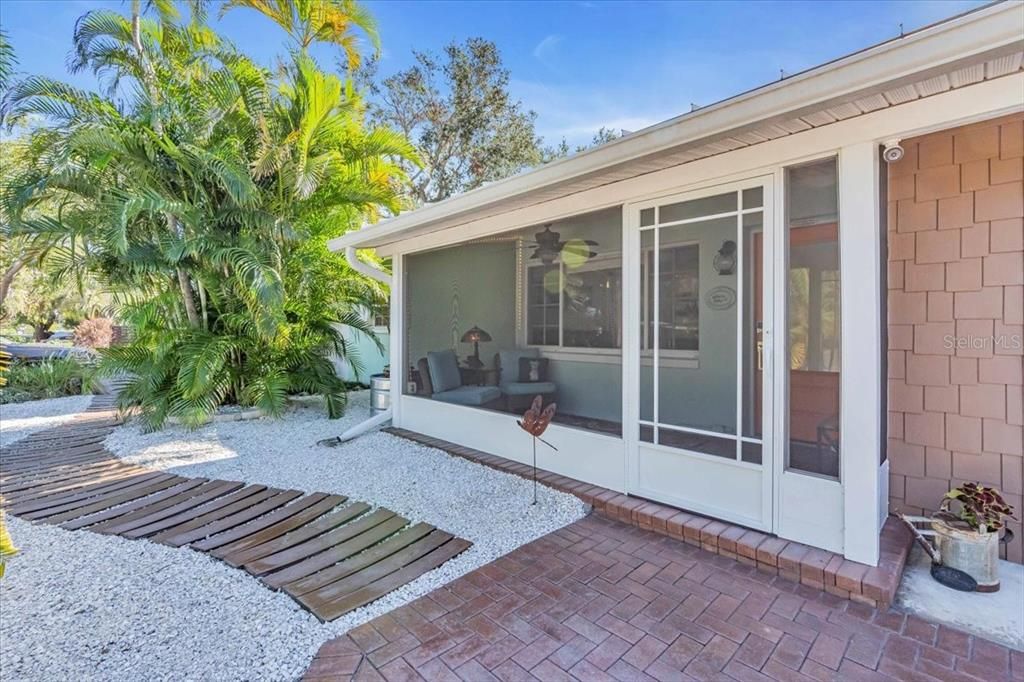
(974, 553)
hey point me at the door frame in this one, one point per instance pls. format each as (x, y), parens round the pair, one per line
(631, 347)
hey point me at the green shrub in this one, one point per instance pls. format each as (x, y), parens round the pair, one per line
(54, 378)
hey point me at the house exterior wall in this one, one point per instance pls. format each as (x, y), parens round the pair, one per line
(955, 276)
(857, 506)
(372, 358)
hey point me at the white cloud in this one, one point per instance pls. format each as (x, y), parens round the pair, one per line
(576, 113)
(545, 49)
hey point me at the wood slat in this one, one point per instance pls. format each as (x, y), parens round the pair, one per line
(12, 472)
(150, 502)
(48, 445)
(251, 509)
(74, 480)
(33, 465)
(71, 482)
(336, 553)
(107, 501)
(209, 507)
(329, 610)
(359, 562)
(40, 481)
(200, 496)
(78, 431)
(55, 449)
(30, 507)
(304, 550)
(45, 454)
(241, 534)
(340, 588)
(215, 510)
(301, 534)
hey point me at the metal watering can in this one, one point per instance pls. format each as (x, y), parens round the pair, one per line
(962, 559)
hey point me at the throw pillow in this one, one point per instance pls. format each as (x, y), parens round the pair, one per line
(533, 370)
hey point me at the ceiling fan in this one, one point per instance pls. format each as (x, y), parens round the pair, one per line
(549, 246)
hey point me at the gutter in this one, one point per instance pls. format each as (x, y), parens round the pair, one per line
(384, 417)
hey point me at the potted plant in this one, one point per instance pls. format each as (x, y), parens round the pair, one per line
(967, 532)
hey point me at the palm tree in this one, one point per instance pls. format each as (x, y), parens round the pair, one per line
(309, 21)
(205, 203)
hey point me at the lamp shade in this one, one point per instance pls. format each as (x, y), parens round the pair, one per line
(475, 334)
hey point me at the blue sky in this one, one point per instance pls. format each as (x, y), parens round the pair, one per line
(579, 64)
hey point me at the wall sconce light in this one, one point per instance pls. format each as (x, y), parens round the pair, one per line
(725, 259)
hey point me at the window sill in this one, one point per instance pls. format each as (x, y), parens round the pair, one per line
(613, 356)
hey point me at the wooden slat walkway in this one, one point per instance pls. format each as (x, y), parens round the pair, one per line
(329, 553)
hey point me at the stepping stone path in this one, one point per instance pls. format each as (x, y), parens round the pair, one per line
(329, 553)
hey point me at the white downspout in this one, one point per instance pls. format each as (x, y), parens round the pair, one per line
(385, 416)
(365, 268)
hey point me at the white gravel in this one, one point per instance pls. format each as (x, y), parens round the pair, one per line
(76, 605)
(18, 420)
(181, 615)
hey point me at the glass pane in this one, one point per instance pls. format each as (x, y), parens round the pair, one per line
(646, 217)
(753, 323)
(753, 197)
(814, 318)
(591, 304)
(697, 309)
(679, 300)
(752, 453)
(646, 433)
(695, 208)
(647, 326)
(697, 442)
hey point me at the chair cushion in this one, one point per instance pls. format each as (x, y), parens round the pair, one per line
(509, 361)
(469, 395)
(444, 370)
(528, 388)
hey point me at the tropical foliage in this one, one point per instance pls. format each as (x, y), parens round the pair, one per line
(309, 21)
(457, 109)
(53, 378)
(44, 299)
(202, 190)
(7, 548)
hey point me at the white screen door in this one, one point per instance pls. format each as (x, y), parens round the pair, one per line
(698, 428)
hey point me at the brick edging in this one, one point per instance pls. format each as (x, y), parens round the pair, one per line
(817, 568)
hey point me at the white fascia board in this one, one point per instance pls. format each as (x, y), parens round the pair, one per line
(985, 30)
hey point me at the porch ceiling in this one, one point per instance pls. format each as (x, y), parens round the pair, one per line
(981, 45)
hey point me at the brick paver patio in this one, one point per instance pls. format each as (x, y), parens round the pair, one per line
(600, 600)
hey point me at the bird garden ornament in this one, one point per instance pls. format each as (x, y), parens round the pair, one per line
(535, 421)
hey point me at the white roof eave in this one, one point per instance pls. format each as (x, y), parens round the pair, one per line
(981, 31)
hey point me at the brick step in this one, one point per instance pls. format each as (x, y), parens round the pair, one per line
(817, 568)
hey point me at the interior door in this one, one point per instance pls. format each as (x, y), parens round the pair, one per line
(700, 436)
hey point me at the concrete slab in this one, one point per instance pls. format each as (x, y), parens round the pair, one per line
(997, 616)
